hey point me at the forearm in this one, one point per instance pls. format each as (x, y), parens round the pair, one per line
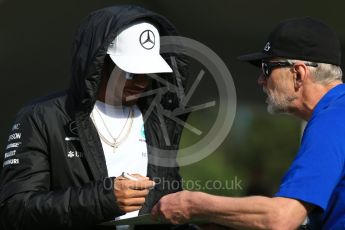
(256, 212)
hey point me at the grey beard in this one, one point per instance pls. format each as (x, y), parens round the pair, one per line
(279, 108)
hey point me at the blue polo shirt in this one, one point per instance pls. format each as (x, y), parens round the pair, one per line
(317, 175)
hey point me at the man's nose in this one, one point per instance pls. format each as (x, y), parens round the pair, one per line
(261, 80)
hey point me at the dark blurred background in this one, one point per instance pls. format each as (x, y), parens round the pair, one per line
(35, 44)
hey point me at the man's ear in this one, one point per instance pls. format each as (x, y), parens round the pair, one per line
(300, 75)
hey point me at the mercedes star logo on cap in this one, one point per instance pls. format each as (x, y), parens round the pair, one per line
(147, 39)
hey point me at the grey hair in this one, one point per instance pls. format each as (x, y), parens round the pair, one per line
(324, 73)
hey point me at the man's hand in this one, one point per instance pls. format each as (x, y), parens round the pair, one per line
(174, 207)
(130, 194)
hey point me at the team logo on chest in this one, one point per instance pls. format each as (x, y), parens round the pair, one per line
(72, 132)
(73, 154)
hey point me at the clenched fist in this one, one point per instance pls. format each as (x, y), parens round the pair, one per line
(130, 194)
(174, 207)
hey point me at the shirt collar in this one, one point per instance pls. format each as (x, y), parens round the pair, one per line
(328, 98)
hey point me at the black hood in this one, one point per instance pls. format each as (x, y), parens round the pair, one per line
(93, 37)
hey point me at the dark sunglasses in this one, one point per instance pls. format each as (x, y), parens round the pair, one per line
(267, 67)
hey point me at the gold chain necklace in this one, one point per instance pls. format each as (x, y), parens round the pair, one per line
(116, 141)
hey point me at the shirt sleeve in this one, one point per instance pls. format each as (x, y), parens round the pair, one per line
(27, 199)
(318, 166)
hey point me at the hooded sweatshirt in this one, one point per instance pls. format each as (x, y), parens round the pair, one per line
(54, 174)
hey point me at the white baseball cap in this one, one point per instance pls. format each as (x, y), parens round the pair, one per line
(136, 50)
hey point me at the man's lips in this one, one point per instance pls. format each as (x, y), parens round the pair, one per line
(130, 94)
(265, 90)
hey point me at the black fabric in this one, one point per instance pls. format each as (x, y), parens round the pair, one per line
(300, 38)
(57, 177)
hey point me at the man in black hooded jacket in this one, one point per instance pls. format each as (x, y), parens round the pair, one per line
(55, 173)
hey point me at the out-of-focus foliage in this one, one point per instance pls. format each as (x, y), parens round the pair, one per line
(258, 150)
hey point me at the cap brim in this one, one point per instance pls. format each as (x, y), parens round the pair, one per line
(142, 64)
(254, 58)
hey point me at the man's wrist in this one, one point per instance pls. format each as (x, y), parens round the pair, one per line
(196, 203)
